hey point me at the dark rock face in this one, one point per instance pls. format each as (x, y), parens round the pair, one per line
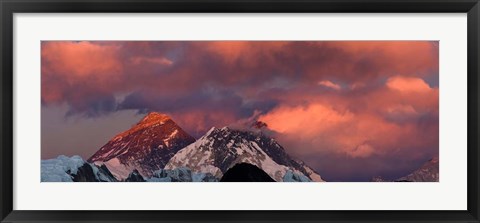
(428, 172)
(135, 177)
(244, 172)
(89, 173)
(259, 125)
(108, 177)
(147, 146)
(84, 174)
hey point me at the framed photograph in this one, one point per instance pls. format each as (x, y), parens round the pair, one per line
(239, 111)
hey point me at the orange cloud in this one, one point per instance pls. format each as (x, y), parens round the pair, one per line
(357, 134)
(230, 50)
(80, 59)
(310, 120)
(327, 128)
(408, 84)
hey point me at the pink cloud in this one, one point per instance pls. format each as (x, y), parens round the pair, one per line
(329, 84)
(354, 134)
(309, 121)
(408, 84)
(66, 65)
(379, 122)
(80, 59)
(155, 60)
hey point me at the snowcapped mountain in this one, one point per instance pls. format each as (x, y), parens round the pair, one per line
(73, 169)
(428, 172)
(156, 149)
(220, 149)
(146, 147)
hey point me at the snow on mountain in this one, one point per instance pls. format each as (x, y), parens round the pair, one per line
(428, 172)
(290, 176)
(181, 174)
(308, 171)
(220, 149)
(59, 169)
(146, 147)
(378, 179)
(73, 169)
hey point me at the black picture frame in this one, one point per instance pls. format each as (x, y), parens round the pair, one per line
(9, 7)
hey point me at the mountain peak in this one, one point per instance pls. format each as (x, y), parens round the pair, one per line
(434, 159)
(154, 117)
(221, 148)
(259, 125)
(146, 146)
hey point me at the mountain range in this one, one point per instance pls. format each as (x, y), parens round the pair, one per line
(156, 149)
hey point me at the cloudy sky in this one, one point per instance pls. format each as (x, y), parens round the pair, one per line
(352, 110)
